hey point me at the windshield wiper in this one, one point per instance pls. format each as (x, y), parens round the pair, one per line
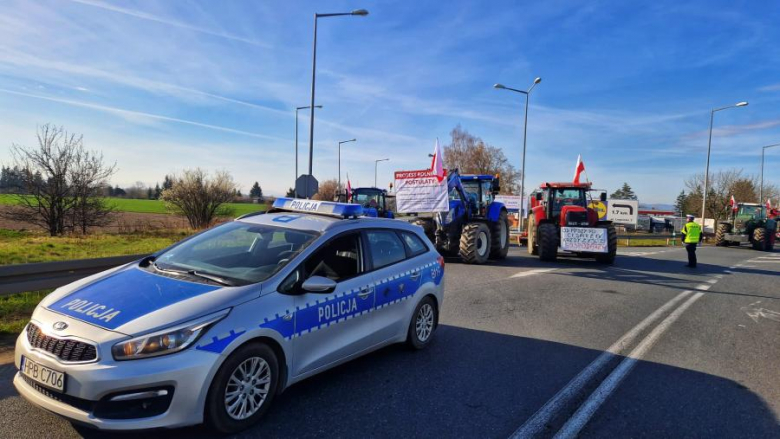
(211, 277)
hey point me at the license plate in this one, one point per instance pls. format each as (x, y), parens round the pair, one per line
(43, 375)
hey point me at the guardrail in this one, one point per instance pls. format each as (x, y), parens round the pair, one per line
(671, 239)
(44, 275)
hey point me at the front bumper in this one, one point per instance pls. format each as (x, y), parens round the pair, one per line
(186, 375)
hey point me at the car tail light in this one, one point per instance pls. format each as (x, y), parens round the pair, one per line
(440, 260)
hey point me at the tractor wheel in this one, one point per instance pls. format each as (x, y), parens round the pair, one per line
(499, 233)
(475, 243)
(609, 257)
(548, 242)
(428, 227)
(530, 226)
(720, 235)
(760, 239)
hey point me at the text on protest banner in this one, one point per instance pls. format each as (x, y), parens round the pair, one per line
(581, 239)
(421, 191)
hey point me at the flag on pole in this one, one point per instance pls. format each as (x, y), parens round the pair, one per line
(349, 189)
(437, 167)
(733, 203)
(579, 169)
(768, 204)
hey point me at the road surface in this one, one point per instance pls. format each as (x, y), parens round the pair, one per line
(644, 348)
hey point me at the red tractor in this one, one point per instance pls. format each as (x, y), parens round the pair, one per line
(560, 217)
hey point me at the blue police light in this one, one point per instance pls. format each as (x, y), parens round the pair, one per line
(344, 210)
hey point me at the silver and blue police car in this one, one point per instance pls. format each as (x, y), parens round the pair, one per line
(212, 328)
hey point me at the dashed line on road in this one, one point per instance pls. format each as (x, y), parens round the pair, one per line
(532, 272)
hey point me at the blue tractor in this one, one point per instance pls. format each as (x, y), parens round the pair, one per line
(374, 202)
(476, 228)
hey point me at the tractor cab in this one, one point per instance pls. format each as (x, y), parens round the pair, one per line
(480, 191)
(747, 214)
(374, 202)
(565, 204)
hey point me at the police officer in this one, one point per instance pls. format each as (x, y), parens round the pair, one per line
(692, 235)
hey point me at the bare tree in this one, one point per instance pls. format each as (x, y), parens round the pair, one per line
(200, 198)
(723, 185)
(470, 155)
(61, 181)
(328, 190)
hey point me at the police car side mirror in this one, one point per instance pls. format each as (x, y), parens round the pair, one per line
(319, 284)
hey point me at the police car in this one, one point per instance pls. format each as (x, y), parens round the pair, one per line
(212, 328)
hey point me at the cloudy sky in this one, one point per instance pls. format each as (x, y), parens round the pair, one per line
(160, 86)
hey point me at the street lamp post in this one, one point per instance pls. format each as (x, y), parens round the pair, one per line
(343, 141)
(296, 139)
(707, 169)
(761, 190)
(358, 12)
(527, 94)
(376, 162)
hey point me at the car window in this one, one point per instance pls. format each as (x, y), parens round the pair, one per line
(240, 252)
(385, 247)
(338, 259)
(415, 244)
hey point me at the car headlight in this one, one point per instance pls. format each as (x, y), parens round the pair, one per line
(167, 341)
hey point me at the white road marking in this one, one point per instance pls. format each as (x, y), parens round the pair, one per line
(536, 423)
(755, 312)
(533, 272)
(581, 417)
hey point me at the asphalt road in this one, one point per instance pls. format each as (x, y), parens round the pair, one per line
(644, 348)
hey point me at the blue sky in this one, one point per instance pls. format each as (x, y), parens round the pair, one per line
(160, 86)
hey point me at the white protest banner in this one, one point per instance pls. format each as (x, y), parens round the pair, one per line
(512, 202)
(421, 191)
(581, 239)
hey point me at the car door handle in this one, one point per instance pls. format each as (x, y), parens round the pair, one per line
(365, 292)
(415, 275)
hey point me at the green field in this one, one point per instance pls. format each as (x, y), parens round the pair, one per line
(153, 206)
(15, 310)
(28, 247)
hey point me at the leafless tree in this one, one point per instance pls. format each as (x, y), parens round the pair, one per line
(61, 182)
(200, 198)
(470, 155)
(328, 190)
(723, 184)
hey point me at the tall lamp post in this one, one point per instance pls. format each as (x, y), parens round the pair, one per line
(709, 148)
(376, 162)
(296, 138)
(343, 141)
(527, 94)
(761, 190)
(357, 12)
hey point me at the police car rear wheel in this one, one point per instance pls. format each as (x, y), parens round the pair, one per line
(424, 322)
(242, 389)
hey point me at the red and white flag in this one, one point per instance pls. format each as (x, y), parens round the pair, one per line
(768, 204)
(437, 166)
(733, 203)
(579, 169)
(349, 189)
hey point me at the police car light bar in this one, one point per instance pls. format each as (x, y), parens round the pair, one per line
(343, 210)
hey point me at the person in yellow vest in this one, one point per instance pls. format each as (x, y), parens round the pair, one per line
(691, 232)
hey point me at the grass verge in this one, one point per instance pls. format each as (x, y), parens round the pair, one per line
(27, 247)
(16, 309)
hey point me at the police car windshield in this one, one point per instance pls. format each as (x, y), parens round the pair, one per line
(238, 252)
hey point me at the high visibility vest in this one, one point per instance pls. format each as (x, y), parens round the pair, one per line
(692, 231)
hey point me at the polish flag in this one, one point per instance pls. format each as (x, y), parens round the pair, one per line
(579, 169)
(768, 204)
(733, 203)
(349, 189)
(437, 167)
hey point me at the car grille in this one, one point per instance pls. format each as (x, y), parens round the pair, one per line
(63, 348)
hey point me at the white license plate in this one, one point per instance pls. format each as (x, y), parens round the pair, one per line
(43, 375)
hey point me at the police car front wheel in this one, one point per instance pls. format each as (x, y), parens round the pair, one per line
(242, 389)
(424, 322)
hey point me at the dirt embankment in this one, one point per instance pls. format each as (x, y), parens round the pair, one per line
(121, 222)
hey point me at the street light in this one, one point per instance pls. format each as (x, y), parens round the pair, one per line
(343, 141)
(761, 191)
(707, 169)
(357, 12)
(527, 94)
(296, 139)
(376, 162)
